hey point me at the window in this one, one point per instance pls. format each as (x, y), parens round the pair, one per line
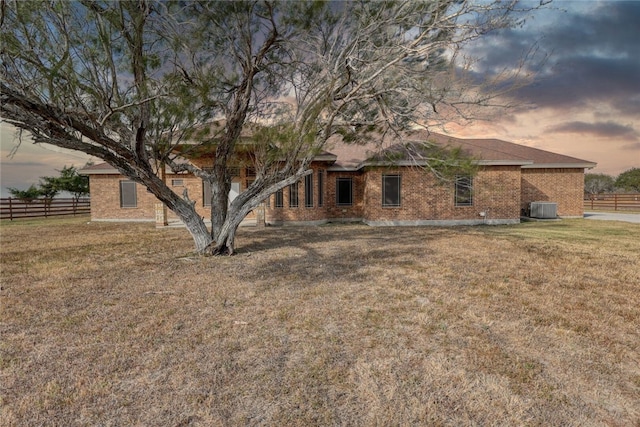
(177, 182)
(128, 196)
(464, 190)
(344, 191)
(293, 195)
(308, 191)
(206, 193)
(320, 188)
(279, 199)
(390, 190)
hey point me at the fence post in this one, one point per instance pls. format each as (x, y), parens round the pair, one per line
(10, 210)
(615, 202)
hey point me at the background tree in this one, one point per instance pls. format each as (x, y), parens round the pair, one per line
(72, 182)
(130, 82)
(48, 189)
(27, 195)
(629, 180)
(597, 183)
(69, 180)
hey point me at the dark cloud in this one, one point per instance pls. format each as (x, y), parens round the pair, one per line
(601, 129)
(582, 81)
(592, 55)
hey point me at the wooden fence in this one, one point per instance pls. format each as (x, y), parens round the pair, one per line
(11, 208)
(614, 202)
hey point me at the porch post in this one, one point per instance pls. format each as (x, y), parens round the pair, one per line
(160, 208)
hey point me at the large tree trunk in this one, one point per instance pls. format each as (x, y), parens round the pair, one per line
(184, 209)
(241, 206)
(196, 226)
(220, 188)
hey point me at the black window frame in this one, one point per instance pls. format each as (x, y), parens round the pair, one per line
(130, 186)
(278, 199)
(293, 195)
(463, 191)
(206, 194)
(320, 188)
(308, 191)
(342, 184)
(387, 183)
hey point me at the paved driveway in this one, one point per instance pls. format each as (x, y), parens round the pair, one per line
(627, 217)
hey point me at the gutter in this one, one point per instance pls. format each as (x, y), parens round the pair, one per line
(585, 165)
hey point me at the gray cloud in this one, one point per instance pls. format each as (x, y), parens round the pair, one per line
(601, 129)
(593, 55)
(10, 163)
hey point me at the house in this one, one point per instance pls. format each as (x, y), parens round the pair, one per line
(363, 183)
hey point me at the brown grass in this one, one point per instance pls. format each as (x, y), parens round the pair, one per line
(117, 324)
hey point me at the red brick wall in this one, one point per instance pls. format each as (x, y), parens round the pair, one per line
(105, 200)
(501, 192)
(496, 191)
(562, 186)
(329, 210)
(105, 197)
(356, 210)
(315, 213)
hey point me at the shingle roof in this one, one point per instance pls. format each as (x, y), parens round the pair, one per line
(487, 151)
(354, 156)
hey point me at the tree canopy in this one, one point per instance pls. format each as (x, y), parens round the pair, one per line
(69, 181)
(596, 183)
(31, 193)
(130, 82)
(629, 180)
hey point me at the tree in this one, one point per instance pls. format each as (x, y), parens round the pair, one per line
(72, 182)
(135, 82)
(48, 189)
(69, 180)
(597, 183)
(27, 195)
(629, 180)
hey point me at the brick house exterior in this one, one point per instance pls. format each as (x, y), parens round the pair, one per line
(347, 186)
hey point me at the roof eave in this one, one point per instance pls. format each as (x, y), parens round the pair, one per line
(325, 158)
(585, 165)
(338, 168)
(522, 163)
(112, 171)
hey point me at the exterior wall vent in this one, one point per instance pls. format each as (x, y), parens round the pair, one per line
(543, 210)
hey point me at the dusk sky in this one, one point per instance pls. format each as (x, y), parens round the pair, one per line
(584, 103)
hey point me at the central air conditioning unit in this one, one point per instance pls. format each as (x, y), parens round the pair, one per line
(543, 210)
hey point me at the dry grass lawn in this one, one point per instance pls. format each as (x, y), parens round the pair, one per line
(118, 325)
